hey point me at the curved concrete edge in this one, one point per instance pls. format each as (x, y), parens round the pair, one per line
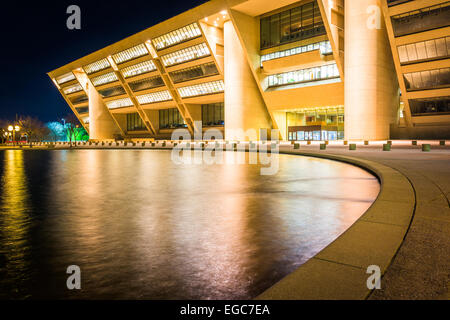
(339, 272)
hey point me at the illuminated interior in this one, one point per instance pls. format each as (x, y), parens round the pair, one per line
(130, 54)
(184, 55)
(154, 97)
(137, 69)
(119, 103)
(180, 35)
(202, 89)
(97, 66)
(104, 79)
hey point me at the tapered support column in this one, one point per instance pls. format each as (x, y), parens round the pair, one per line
(244, 106)
(371, 87)
(101, 123)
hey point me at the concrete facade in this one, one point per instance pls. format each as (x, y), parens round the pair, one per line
(371, 87)
(245, 108)
(313, 69)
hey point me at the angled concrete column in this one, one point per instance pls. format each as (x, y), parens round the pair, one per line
(371, 87)
(244, 106)
(101, 123)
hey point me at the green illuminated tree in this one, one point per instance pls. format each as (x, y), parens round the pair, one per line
(72, 125)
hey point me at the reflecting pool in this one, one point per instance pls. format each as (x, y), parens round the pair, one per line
(142, 227)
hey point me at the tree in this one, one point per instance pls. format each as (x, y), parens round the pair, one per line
(72, 124)
(3, 130)
(32, 127)
(43, 133)
(57, 131)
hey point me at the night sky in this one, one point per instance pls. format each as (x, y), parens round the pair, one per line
(35, 40)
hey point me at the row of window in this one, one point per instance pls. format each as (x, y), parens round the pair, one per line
(73, 88)
(196, 72)
(154, 97)
(65, 78)
(316, 135)
(187, 54)
(392, 3)
(170, 119)
(137, 69)
(307, 117)
(130, 54)
(104, 79)
(424, 19)
(429, 79)
(202, 89)
(292, 25)
(306, 75)
(82, 109)
(111, 92)
(323, 46)
(147, 83)
(189, 32)
(213, 114)
(424, 50)
(97, 66)
(430, 106)
(134, 122)
(79, 99)
(119, 103)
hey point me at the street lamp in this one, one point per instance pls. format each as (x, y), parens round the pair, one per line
(13, 129)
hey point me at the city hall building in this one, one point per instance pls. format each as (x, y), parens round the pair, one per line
(314, 70)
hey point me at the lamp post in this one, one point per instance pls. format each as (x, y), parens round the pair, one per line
(14, 129)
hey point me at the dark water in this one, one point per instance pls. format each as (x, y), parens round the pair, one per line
(141, 227)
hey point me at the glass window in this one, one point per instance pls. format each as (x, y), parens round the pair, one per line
(332, 135)
(430, 105)
(187, 54)
(79, 99)
(196, 72)
(316, 136)
(428, 79)
(135, 123)
(97, 66)
(82, 109)
(291, 25)
(186, 33)
(170, 119)
(213, 114)
(104, 79)
(65, 78)
(202, 89)
(306, 75)
(159, 96)
(137, 69)
(147, 83)
(324, 47)
(111, 92)
(72, 89)
(424, 50)
(119, 103)
(423, 19)
(130, 54)
(265, 32)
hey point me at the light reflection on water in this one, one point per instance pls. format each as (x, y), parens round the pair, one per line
(141, 227)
